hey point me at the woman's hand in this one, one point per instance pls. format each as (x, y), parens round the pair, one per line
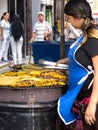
(62, 61)
(91, 109)
(90, 114)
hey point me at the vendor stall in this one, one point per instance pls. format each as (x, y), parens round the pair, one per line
(28, 98)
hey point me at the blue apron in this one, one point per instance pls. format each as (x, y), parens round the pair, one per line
(77, 77)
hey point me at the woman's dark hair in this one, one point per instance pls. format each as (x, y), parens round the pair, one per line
(17, 28)
(80, 9)
(2, 17)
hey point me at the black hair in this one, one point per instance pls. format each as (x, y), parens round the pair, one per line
(81, 9)
(2, 17)
(17, 28)
(78, 8)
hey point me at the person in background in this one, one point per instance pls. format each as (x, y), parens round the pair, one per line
(55, 31)
(5, 37)
(42, 29)
(71, 33)
(17, 30)
(1, 36)
(83, 69)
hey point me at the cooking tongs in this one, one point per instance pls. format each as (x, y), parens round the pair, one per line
(52, 65)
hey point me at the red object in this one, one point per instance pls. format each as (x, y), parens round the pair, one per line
(95, 13)
(95, 17)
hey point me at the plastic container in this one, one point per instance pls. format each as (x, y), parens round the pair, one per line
(48, 50)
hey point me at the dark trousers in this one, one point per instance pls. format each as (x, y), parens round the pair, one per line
(92, 127)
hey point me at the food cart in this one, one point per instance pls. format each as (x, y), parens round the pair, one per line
(28, 98)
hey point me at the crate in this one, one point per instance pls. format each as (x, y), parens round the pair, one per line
(48, 50)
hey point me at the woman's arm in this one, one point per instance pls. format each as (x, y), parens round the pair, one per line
(62, 61)
(2, 33)
(91, 109)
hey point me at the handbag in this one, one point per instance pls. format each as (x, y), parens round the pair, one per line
(79, 107)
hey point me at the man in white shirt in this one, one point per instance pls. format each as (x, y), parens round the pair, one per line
(41, 28)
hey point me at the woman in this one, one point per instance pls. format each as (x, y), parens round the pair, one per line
(1, 36)
(83, 67)
(5, 25)
(17, 39)
(55, 31)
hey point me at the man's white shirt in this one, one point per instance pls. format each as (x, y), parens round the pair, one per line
(40, 29)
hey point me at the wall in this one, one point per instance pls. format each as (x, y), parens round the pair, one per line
(35, 10)
(3, 7)
(47, 2)
(95, 6)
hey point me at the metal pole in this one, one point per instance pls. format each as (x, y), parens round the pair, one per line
(25, 28)
(28, 23)
(62, 38)
(55, 11)
(15, 6)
